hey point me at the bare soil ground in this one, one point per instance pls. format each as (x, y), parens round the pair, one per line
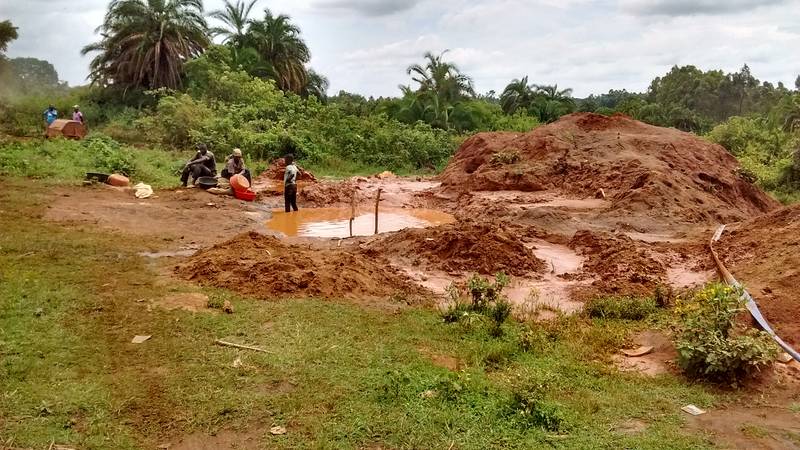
(184, 219)
(764, 255)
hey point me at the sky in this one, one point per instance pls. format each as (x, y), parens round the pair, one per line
(365, 46)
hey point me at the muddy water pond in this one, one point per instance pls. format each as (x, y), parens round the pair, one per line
(335, 222)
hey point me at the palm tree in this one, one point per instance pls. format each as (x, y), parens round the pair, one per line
(146, 42)
(549, 103)
(552, 93)
(316, 85)
(8, 33)
(518, 94)
(278, 42)
(441, 86)
(236, 18)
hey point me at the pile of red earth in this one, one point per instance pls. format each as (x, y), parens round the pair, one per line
(641, 168)
(764, 255)
(621, 265)
(276, 170)
(329, 193)
(264, 267)
(482, 247)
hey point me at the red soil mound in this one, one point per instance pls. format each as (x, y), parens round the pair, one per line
(482, 247)
(329, 193)
(278, 167)
(642, 168)
(622, 266)
(264, 267)
(764, 255)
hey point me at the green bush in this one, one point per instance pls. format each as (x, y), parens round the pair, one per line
(235, 110)
(528, 403)
(763, 149)
(63, 160)
(711, 345)
(624, 308)
(484, 300)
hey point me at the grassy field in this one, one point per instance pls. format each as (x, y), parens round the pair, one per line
(337, 375)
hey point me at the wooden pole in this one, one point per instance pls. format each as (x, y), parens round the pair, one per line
(352, 211)
(377, 200)
(246, 347)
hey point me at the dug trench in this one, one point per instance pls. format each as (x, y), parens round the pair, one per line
(590, 206)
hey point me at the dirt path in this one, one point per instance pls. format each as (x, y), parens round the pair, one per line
(183, 219)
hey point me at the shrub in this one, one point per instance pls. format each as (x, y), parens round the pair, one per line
(625, 308)
(485, 300)
(529, 404)
(712, 345)
(110, 156)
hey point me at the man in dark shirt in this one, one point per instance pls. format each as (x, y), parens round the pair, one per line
(202, 165)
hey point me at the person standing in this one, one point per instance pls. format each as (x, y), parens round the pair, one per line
(234, 165)
(290, 184)
(77, 115)
(202, 164)
(50, 115)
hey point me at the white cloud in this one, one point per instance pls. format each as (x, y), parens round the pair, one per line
(365, 46)
(366, 7)
(694, 7)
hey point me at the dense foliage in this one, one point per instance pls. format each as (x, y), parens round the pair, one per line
(228, 108)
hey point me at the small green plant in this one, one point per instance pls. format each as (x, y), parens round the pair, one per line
(505, 157)
(664, 296)
(624, 308)
(529, 404)
(532, 340)
(109, 155)
(485, 300)
(712, 345)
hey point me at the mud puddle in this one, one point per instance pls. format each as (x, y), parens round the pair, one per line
(537, 298)
(168, 254)
(335, 222)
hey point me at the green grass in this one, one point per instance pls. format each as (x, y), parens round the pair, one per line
(625, 308)
(63, 161)
(338, 375)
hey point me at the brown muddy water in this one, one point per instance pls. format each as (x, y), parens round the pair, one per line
(335, 222)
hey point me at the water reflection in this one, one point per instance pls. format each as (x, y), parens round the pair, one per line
(334, 222)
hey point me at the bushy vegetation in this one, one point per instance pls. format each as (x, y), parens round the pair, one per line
(61, 160)
(480, 300)
(624, 308)
(767, 151)
(711, 343)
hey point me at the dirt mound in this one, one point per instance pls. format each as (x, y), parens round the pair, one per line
(482, 247)
(329, 193)
(264, 267)
(764, 255)
(644, 169)
(620, 265)
(278, 167)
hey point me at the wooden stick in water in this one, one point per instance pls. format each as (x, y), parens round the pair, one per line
(377, 200)
(352, 213)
